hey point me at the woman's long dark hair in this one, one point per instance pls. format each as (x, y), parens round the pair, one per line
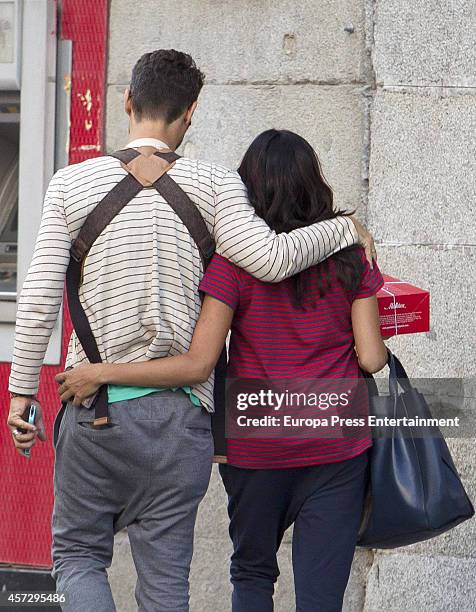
(288, 190)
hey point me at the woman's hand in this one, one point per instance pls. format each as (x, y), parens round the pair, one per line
(80, 382)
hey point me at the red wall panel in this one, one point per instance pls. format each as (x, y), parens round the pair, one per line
(26, 487)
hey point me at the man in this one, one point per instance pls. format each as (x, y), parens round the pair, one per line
(149, 468)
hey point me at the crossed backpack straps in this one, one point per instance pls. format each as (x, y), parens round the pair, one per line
(146, 168)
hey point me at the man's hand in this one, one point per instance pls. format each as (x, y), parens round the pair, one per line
(365, 240)
(15, 423)
(80, 382)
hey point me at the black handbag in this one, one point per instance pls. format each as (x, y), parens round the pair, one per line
(415, 492)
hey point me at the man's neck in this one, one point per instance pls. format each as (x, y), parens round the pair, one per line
(152, 130)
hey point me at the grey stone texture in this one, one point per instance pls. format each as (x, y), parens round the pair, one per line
(422, 166)
(244, 41)
(399, 582)
(425, 43)
(385, 92)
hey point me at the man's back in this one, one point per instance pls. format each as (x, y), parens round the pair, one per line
(141, 276)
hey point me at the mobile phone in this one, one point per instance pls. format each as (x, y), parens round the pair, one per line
(30, 417)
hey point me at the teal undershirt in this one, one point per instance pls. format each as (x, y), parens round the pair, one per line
(118, 393)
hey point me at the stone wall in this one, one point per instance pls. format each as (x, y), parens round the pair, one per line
(421, 206)
(385, 91)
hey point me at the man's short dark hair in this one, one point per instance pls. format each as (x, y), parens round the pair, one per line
(164, 84)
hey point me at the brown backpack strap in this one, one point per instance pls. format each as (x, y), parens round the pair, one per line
(85, 335)
(146, 168)
(143, 167)
(127, 155)
(95, 223)
(97, 220)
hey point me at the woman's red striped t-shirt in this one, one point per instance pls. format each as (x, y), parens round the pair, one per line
(272, 338)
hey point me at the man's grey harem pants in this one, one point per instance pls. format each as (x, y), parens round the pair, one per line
(147, 472)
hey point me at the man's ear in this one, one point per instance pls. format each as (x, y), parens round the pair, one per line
(127, 102)
(189, 114)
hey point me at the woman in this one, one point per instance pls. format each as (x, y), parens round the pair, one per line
(321, 324)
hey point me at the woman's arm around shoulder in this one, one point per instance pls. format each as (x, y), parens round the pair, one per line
(193, 367)
(245, 238)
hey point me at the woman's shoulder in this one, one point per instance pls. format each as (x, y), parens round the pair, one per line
(222, 269)
(218, 262)
(222, 281)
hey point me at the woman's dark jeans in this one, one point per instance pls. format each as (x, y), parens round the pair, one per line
(324, 502)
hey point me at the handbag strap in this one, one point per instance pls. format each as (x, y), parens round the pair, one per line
(397, 375)
(372, 388)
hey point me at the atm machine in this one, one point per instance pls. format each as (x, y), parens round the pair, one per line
(28, 64)
(10, 62)
(9, 150)
(51, 53)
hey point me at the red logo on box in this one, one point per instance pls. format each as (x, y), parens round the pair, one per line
(403, 308)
